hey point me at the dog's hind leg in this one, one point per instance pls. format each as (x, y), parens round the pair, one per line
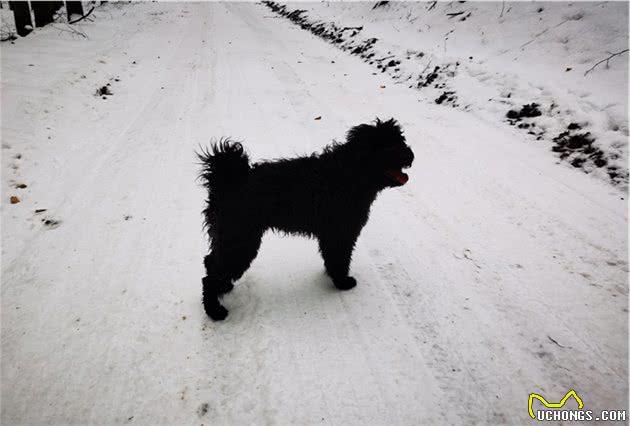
(225, 264)
(215, 269)
(215, 284)
(211, 303)
(337, 253)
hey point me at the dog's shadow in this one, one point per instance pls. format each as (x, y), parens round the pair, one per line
(293, 295)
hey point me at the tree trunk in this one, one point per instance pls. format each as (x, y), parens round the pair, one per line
(22, 16)
(44, 11)
(74, 8)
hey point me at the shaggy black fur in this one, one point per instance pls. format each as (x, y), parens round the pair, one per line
(326, 196)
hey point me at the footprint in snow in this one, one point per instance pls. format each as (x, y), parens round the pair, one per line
(51, 223)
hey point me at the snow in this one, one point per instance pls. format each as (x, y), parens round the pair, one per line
(493, 273)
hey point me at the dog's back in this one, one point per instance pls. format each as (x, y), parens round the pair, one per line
(301, 195)
(290, 194)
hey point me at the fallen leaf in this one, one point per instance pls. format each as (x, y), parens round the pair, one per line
(319, 117)
(14, 199)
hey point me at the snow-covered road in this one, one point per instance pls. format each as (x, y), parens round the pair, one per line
(492, 274)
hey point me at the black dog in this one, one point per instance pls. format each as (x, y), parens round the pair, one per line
(326, 196)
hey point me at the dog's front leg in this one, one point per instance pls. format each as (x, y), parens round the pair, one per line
(337, 253)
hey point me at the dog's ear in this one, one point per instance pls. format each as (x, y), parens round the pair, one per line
(371, 134)
(361, 134)
(389, 128)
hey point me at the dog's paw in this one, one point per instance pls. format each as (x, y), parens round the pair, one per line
(214, 309)
(217, 312)
(345, 283)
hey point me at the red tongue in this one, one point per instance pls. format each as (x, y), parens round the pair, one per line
(398, 176)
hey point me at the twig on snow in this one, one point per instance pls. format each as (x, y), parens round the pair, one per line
(555, 341)
(426, 68)
(385, 57)
(71, 30)
(612, 55)
(352, 28)
(544, 31)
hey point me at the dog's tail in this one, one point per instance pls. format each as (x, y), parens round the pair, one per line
(223, 166)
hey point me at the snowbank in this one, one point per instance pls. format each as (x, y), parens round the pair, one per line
(531, 65)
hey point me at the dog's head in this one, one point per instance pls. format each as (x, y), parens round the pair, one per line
(382, 152)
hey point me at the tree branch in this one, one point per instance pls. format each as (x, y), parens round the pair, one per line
(83, 17)
(612, 55)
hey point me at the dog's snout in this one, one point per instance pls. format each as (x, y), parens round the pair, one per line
(409, 156)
